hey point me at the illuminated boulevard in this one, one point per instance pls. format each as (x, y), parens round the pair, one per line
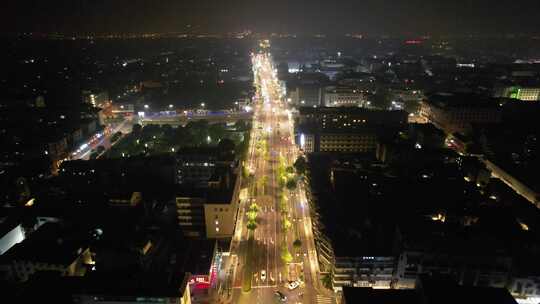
(264, 260)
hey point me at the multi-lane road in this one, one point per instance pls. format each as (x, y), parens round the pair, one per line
(272, 146)
(102, 139)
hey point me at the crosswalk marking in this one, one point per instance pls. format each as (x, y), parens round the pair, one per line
(256, 286)
(324, 300)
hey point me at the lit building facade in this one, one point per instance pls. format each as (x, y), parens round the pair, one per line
(306, 95)
(519, 92)
(209, 212)
(365, 271)
(349, 117)
(42, 251)
(348, 142)
(351, 141)
(344, 97)
(452, 114)
(12, 235)
(97, 99)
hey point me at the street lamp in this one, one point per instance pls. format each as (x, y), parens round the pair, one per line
(146, 106)
(170, 106)
(202, 104)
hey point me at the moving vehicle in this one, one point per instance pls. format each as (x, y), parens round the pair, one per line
(280, 295)
(293, 285)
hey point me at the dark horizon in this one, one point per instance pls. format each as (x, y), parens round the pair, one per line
(413, 17)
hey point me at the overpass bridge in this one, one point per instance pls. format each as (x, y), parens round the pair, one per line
(183, 119)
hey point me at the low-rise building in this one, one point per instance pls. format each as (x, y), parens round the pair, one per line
(344, 129)
(51, 248)
(96, 98)
(525, 93)
(364, 271)
(457, 112)
(349, 117)
(343, 141)
(354, 295)
(344, 97)
(306, 95)
(11, 232)
(115, 288)
(432, 245)
(430, 290)
(196, 165)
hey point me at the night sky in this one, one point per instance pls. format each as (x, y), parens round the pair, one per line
(301, 16)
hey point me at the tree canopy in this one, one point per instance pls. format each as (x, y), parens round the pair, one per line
(300, 165)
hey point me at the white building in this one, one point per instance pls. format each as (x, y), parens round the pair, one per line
(344, 97)
(11, 234)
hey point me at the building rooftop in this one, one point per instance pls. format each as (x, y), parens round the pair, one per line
(457, 100)
(355, 129)
(434, 236)
(9, 219)
(51, 243)
(342, 90)
(205, 150)
(49, 286)
(219, 189)
(429, 291)
(349, 110)
(195, 256)
(208, 195)
(440, 289)
(354, 295)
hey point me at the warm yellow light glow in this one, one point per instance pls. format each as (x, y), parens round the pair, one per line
(30, 202)
(524, 226)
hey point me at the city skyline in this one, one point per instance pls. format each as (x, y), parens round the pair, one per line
(418, 17)
(253, 152)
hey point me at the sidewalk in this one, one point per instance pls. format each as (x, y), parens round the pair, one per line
(223, 291)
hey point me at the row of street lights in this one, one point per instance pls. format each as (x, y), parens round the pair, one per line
(170, 106)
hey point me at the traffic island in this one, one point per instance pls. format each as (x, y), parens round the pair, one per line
(248, 267)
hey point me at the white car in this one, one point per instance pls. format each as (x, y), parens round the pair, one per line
(281, 296)
(293, 285)
(263, 275)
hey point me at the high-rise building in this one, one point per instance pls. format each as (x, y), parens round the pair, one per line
(209, 211)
